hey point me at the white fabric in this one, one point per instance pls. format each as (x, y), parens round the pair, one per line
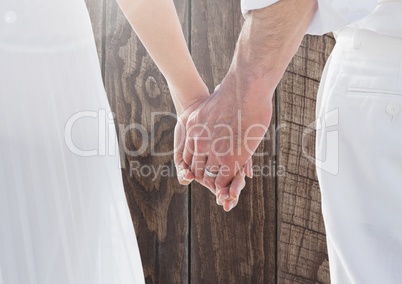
(359, 111)
(385, 19)
(358, 146)
(63, 217)
(331, 14)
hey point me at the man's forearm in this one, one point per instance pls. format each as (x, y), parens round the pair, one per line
(269, 39)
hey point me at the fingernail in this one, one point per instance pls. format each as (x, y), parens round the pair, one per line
(218, 201)
(231, 205)
(181, 173)
(229, 208)
(223, 196)
(223, 189)
(186, 179)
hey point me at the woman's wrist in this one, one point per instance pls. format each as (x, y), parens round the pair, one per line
(185, 97)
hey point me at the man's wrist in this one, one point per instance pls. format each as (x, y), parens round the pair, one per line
(255, 77)
(269, 39)
(252, 82)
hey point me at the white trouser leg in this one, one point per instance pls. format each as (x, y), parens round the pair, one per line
(359, 157)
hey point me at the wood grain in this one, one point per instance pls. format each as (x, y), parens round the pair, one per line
(137, 93)
(302, 255)
(235, 247)
(276, 234)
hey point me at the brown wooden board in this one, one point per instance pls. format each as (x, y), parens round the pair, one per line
(235, 247)
(276, 234)
(302, 256)
(138, 93)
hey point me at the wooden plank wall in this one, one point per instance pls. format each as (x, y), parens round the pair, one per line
(302, 256)
(276, 234)
(235, 247)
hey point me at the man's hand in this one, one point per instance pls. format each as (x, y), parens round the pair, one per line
(185, 175)
(223, 132)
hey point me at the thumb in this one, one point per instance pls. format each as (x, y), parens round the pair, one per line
(248, 168)
(184, 175)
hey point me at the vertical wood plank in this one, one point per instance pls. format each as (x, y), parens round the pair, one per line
(302, 255)
(235, 247)
(159, 205)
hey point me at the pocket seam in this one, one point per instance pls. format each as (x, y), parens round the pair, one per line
(372, 92)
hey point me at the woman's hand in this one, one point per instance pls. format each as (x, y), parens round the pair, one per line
(184, 174)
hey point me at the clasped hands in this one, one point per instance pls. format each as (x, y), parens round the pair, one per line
(215, 138)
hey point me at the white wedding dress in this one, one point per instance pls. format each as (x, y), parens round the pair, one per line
(63, 213)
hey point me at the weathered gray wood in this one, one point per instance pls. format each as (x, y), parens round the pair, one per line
(158, 204)
(276, 234)
(235, 247)
(302, 256)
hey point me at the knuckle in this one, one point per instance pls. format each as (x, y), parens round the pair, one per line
(209, 185)
(187, 158)
(199, 175)
(221, 183)
(226, 160)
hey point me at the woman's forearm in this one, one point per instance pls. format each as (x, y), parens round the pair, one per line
(157, 25)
